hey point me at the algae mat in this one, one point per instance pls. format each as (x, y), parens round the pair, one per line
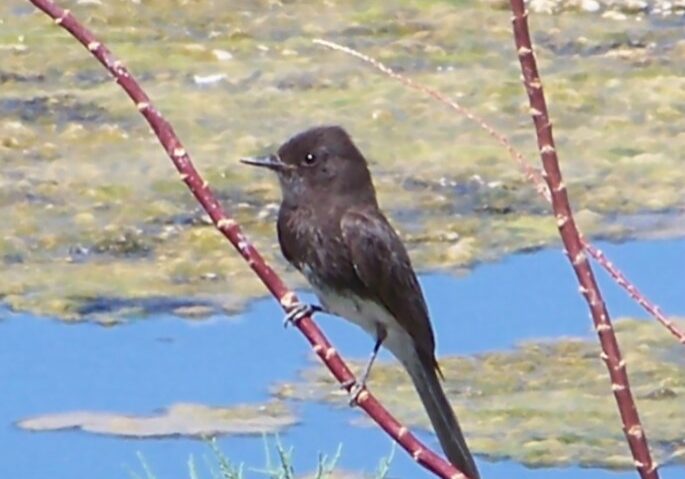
(185, 419)
(97, 225)
(545, 403)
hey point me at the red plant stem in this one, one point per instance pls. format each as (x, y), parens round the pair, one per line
(232, 231)
(632, 291)
(611, 354)
(532, 174)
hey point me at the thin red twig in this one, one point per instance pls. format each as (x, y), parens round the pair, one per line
(632, 290)
(532, 174)
(611, 354)
(232, 231)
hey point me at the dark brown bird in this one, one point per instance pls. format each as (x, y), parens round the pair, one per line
(331, 229)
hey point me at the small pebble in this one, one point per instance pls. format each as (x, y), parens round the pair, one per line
(222, 55)
(209, 79)
(589, 5)
(612, 15)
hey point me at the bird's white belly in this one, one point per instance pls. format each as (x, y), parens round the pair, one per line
(364, 313)
(369, 315)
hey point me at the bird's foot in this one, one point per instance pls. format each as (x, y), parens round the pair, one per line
(299, 311)
(354, 389)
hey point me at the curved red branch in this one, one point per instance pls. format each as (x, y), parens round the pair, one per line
(611, 354)
(232, 231)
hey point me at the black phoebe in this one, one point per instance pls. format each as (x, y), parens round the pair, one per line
(331, 229)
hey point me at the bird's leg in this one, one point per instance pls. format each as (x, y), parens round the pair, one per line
(299, 311)
(355, 387)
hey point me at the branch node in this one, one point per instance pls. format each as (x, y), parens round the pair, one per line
(522, 51)
(601, 327)
(244, 246)
(227, 223)
(288, 300)
(65, 14)
(330, 352)
(617, 387)
(579, 258)
(92, 46)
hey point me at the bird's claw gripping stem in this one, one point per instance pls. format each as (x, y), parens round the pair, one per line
(354, 389)
(299, 311)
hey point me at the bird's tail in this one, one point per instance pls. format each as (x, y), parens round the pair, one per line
(424, 375)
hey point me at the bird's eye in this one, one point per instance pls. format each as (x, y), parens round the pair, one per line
(310, 159)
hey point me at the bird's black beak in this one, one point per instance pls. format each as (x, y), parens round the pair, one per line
(272, 162)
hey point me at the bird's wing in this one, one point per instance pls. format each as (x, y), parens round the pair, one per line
(383, 266)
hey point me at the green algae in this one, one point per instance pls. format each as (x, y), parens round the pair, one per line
(93, 211)
(544, 403)
(192, 420)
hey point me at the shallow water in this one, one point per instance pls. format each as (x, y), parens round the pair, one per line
(50, 367)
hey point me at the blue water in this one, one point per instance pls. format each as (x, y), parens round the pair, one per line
(47, 366)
